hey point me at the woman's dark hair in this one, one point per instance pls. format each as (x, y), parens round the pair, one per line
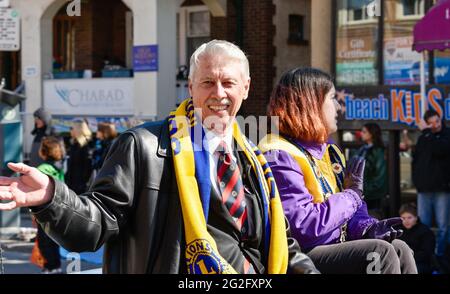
(409, 208)
(430, 113)
(375, 131)
(297, 101)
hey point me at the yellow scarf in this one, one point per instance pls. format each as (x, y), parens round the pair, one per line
(201, 252)
(311, 173)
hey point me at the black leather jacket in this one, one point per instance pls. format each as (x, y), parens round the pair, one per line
(133, 209)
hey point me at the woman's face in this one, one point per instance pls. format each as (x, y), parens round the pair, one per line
(408, 220)
(330, 111)
(366, 136)
(39, 123)
(99, 135)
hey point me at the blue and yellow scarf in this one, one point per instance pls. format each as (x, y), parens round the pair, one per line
(191, 163)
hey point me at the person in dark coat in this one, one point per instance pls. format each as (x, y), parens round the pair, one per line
(79, 164)
(430, 175)
(375, 172)
(419, 237)
(42, 128)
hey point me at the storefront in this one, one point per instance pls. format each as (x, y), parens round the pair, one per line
(378, 80)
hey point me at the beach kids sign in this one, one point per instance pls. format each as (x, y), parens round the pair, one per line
(403, 106)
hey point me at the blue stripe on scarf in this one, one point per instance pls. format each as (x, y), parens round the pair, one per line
(266, 204)
(201, 158)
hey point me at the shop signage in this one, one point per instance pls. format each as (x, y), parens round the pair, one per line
(145, 58)
(103, 97)
(355, 60)
(4, 3)
(9, 30)
(403, 106)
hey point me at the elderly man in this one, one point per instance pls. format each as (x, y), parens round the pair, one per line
(187, 194)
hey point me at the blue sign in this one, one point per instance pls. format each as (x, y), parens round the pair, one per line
(145, 58)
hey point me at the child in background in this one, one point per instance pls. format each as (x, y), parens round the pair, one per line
(419, 237)
(52, 153)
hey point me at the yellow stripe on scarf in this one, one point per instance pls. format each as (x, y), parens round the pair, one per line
(201, 253)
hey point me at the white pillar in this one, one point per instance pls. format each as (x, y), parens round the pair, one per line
(424, 99)
(36, 53)
(145, 33)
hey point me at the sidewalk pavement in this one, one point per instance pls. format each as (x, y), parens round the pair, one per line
(17, 252)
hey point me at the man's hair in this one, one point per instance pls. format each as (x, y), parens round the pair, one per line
(430, 113)
(219, 48)
(409, 208)
(51, 149)
(375, 131)
(108, 130)
(297, 100)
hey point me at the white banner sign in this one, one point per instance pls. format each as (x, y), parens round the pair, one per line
(105, 97)
(9, 30)
(4, 3)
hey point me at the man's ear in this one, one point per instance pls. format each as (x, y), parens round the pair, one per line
(190, 87)
(247, 88)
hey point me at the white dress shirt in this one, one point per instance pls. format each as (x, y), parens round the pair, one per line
(211, 142)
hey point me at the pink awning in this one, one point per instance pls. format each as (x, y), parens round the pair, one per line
(432, 32)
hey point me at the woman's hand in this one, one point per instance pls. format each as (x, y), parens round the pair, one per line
(354, 175)
(32, 188)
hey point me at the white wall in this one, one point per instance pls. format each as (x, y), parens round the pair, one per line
(145, 23)
(167, 41)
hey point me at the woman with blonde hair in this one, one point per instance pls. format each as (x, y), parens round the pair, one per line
(321, 198)
(79, 164)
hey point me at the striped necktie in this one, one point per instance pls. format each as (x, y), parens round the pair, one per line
(231, 190)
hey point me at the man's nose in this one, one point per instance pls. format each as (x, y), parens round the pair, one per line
(219, 90)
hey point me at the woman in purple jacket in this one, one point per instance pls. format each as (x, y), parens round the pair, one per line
(322, 200)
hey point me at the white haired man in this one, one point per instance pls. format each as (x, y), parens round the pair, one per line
(168, 201)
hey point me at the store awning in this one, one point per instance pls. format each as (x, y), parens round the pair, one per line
(433, 31)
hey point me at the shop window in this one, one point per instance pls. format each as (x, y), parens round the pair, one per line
(198, 30)
(412, 7)
(356, 45)
(63, 43)
(193, 30)
(297, 29)
(355, 11)
(401, 63)
(442, 67)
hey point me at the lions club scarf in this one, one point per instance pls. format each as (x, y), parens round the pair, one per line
(191, 163)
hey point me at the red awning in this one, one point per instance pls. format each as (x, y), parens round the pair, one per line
(432, 32)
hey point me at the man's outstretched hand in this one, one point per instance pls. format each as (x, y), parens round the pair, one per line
(32, 188)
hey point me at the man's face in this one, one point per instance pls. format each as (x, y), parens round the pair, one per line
(218, 87)
(435, 123)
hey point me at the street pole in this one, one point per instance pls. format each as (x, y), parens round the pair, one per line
(424, 105)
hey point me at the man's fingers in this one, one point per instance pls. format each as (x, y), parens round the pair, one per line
(20, 168)
(8, 206)
(6, 195)
(5, 181)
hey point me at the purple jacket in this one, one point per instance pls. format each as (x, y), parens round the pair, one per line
(316, 224)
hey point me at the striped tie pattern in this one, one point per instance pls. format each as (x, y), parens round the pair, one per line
(231, 189)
